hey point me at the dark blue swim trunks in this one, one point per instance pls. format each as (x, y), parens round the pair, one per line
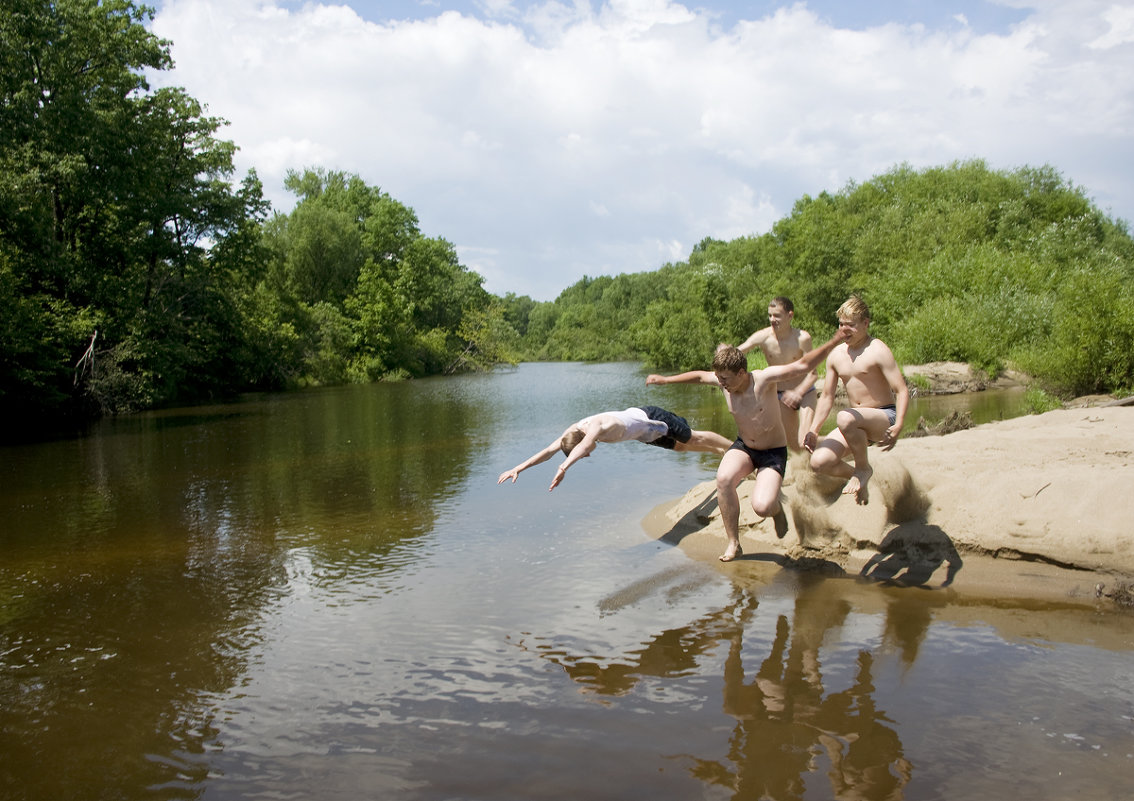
(780, 393)
(775, 458)
(679, 430)
(891, 411)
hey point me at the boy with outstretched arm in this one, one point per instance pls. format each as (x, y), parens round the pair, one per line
(649, 424)
(762, 442)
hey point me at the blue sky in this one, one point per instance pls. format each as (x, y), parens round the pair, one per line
(552, 140)
(981, 15)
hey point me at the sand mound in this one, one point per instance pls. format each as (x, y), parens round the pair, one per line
(1049, 490)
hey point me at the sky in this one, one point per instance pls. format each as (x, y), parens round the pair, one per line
(548, 141)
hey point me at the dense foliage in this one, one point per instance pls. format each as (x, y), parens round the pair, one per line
(958, 263)
(135, 271)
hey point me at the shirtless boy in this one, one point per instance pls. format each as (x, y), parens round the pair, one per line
(762, 444)
(648, 424)
(877, 396)
(781, 343)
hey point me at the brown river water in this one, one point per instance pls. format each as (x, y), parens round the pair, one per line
(325, 595)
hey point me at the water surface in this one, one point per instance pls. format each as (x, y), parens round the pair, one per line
(326, 595)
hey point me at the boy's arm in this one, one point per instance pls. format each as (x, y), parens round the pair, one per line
(754, 341)
(822, 407)
(692, 377)
(531, 461)
(584, 448)
(893, 374)
(808, 381)
(805, 363)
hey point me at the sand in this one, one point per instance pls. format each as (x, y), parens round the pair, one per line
(1037, 506)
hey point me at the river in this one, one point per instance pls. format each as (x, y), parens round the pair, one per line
(325, 594)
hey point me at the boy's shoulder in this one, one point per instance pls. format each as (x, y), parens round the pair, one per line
(875, 345)
(763, 335)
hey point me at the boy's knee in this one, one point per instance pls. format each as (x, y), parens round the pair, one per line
(728, 482)
(822, 460)
(847, 419)
(763, 507)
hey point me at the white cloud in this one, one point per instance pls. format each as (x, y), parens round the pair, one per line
(565, 139)
(1121, 21)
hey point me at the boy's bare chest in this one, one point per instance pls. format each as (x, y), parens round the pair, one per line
(751, 405)
(782, 351)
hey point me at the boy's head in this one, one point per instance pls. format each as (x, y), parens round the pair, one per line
(853, 310)
(780, 312)
(729, 357)
(569, 440)
(730, 366)
(783, 303)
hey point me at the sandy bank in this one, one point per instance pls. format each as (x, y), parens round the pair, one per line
(1037, 506)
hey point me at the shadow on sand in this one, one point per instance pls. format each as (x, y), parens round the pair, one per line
(908, 550)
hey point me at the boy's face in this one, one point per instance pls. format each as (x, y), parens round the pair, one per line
(731, 380)
(854, 329)
(777, 317)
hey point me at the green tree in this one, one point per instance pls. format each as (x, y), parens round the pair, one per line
(960, 262)
(117, 215)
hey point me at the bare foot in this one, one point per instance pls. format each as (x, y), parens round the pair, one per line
(731, 553)
(857, 486)
(779, 519)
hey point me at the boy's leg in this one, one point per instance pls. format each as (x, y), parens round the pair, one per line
(735, 466)
(827, 458)
(765, 498)
(859, 428)
(705, 442)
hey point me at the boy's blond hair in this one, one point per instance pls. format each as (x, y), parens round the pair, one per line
(570, 440)
(854, 308)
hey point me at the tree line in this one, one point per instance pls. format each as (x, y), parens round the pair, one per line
(964, 263)
(137, 270)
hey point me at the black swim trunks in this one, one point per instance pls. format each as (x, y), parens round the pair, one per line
(679, 430)
(775, 458)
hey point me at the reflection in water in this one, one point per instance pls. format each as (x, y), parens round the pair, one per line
(139, 563)
(786, 719)
(673, 652)
(326, 595)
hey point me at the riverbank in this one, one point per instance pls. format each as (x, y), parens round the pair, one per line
(1035, 506)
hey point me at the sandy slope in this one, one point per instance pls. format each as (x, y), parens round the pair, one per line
(1038, 505)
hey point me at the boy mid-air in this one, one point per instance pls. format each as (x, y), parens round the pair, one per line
(649, 424)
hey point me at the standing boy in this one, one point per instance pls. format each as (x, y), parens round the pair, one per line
(782, 343)
(877, 396)
(762, 441)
